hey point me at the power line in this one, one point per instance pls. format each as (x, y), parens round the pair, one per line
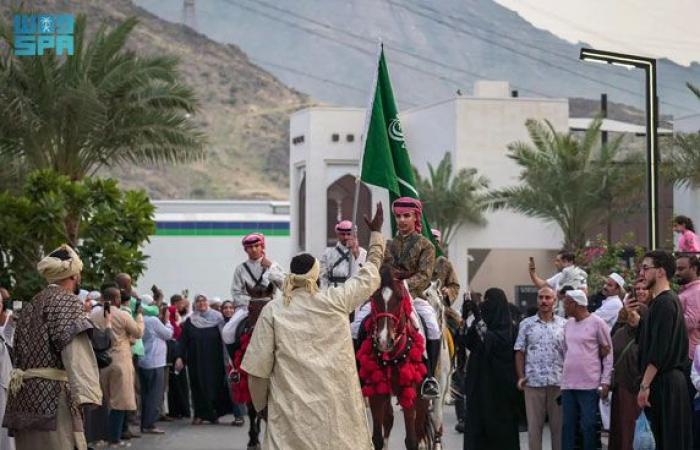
(393, 47)
(346, 44)
(529, 45)
(520, 53)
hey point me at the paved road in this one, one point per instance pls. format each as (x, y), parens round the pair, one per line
(183, 436)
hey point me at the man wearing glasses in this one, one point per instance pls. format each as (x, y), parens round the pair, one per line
(663, 357)
(339, 263)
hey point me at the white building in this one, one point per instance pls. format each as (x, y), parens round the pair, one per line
(325, 150)
(197, 243)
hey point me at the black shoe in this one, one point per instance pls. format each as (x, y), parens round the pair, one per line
(459, 428)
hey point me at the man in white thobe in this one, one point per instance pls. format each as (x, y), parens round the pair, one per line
(301, 363)
(612, 304)
(339, 263)
(258, 276)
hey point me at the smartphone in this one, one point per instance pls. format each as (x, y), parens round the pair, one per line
(106, 308)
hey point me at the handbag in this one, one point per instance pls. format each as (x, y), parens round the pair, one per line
(643, 437)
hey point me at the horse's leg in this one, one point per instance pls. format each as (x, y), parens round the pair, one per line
(253, 428)
(422, 415)
(377, 404)
(445, 377)
(388, 419)
(409, 418)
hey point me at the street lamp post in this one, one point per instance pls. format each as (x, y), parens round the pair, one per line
(652, 108)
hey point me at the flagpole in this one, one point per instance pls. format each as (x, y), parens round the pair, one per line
(368, 117)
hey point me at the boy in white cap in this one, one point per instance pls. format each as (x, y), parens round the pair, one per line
(587, 369)
(612, 304)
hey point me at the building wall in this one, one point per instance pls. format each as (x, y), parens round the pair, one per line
(477, 132)
(197, 244)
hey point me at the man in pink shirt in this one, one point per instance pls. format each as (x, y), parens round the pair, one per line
(687, 269)
(587, 369)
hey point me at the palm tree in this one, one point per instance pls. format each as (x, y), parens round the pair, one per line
(452, 201)
(102, 106)
(686, 159)
(569, 180)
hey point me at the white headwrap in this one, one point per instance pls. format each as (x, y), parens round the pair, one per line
(54, 269)
(306, 280)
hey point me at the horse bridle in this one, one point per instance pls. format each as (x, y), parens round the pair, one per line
(402, 341)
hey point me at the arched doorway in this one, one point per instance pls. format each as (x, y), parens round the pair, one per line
(339, 202)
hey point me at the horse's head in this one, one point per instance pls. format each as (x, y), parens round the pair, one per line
(389, 316)
(433, 296)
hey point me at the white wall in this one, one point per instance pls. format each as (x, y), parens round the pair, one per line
(475, 130)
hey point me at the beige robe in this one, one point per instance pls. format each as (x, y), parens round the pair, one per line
(118, 378)
(79, 360)
(305, 350)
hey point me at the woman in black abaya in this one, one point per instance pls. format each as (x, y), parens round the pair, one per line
(491, 396)
(202, 346)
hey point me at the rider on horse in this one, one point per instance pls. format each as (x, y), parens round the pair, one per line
(412, 256)
(256, 277)
(342, 261)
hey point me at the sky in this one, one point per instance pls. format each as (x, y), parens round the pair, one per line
(655, 28)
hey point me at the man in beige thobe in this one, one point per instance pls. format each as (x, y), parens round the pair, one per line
(55, 368)
(301, 363)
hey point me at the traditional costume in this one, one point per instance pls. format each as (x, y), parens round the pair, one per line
(55, 367)
(302, 366)
(413, 257)
(663, 342)
(251, 280)
(338, 263)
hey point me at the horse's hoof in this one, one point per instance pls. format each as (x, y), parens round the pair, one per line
(254, 447)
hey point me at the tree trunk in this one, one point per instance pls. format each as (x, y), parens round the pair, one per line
(72, 229)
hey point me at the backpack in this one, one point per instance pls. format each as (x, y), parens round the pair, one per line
(101, 343)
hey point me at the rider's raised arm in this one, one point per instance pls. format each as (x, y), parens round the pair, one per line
(359, 287)
(275, 275)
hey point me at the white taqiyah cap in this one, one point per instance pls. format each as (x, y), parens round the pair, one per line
(578, 296)
(617, 278)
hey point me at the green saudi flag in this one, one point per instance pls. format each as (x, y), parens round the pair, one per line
(385, 162)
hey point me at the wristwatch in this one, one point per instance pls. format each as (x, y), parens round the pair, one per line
(643, 387)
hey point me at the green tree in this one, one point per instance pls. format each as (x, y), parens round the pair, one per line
(115, 225)
(452, 200)
(569, 180)
(101, 107)
(685, 167)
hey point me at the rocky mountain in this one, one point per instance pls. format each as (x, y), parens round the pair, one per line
(327, 50)
(244, 109)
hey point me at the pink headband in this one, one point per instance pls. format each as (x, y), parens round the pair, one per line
(405, 205)
(254, 238)
(344, 225)
(436, 233)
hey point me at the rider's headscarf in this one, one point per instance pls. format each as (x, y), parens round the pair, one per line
(254, 239)
(344, 226)
(405, 205)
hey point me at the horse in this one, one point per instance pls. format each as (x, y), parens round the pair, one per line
(391, 362)
(259, 297)
(445, 367)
